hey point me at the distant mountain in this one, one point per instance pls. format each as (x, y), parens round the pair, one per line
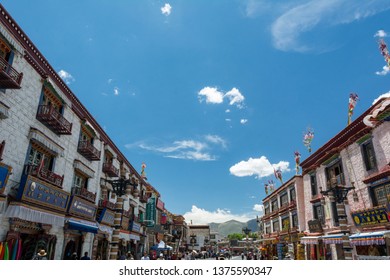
(232, 226)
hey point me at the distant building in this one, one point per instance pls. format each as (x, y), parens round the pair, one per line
(283, 219)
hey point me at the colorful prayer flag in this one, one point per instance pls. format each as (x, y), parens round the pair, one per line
(384, 51)
(308, 138)
(297, 161)
(353, 98)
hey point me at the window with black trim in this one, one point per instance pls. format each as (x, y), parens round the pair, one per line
(293, 194)
(335, 171)
(368, 154)
(381, 195)
(313, 184)
(318, 212)
(283, 199)
(274, 205)
(295, 220)
(275, 226)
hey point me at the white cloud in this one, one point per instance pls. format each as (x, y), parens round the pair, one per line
(227, 111)
(380, 34)
(186, 149)
(385, 95)
(243, 121)
(200, 216)
(216, 140)
(215, 96)
(235, 97)
(305, 17)
(258, 207)
(211, 94)
(384, 72)
(109, 81)
(259, 167)
(116, 91)
(67, 77)
(167, 9)
(228, 120)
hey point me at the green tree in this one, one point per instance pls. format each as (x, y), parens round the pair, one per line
(235, 236)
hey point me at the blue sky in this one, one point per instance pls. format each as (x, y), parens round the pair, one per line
(212, 95)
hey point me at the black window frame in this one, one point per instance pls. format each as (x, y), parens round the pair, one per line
(313, 184)
(321, 217)
(370, 162)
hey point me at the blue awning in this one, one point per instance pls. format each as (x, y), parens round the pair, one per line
(83, 225)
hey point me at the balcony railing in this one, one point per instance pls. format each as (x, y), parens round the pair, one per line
(292, 204)
(84, 193)
(143, 198)
(9, 77)
(44, 174)
(110, 170)
(104, 203)
(49, 116)
(2, 146)
(86, 149)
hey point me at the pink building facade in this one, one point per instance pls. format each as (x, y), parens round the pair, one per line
(359, 157)
(283, 220)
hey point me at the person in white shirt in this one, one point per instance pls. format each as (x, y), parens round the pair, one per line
(145, 256)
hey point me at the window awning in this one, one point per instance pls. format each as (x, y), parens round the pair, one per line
(34, 214)
(310, 240)
(82, 225)
(106, 229)
(78, 165)
(369, 238)
(333, 239)
(37, 136)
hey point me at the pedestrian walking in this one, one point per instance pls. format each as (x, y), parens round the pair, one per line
(85, 257)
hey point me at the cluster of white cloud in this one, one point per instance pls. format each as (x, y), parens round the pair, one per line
(215, 96)
(385, 95)
(380, 34)
(384, 72)
(243, 121)
(186, 149)
(298, 17)
(166, 9)
(116, 91)
(67, 77)
(259, 167)
(201, 216)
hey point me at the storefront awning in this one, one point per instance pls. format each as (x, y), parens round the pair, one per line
(333, 239)
(310, 240)
(369, 238)
(106, 229)
(34, 214)
(129, 236)
(82, 225)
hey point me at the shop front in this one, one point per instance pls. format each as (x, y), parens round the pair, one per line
(5, 171)
(373, 239)
(80, 227)
(372, 245)
(101, 244)
(37, 217)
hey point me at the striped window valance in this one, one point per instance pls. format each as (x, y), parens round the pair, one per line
(40, 138)
(81, 167)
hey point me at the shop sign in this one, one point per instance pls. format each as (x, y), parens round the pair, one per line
(39, 192)
(160, 204)
(135, 227)
(371, 217)
(151, 211)
(125, 223)
(81, 207)
(107, 217)
(5, 171)
(315, 225)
